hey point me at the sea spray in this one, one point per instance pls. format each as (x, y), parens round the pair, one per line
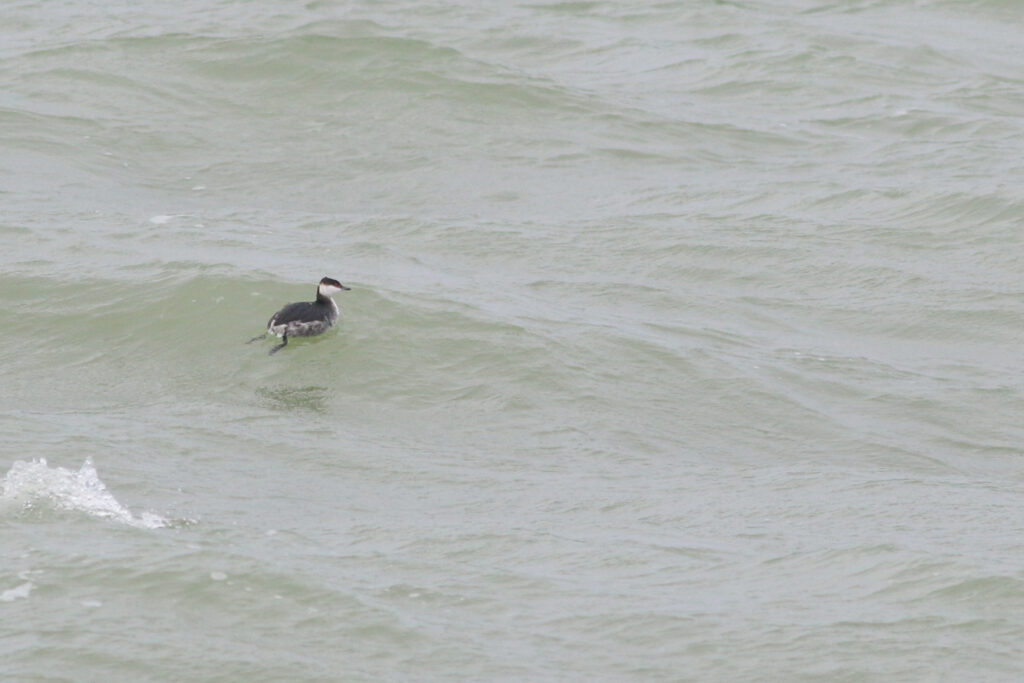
(34, 484)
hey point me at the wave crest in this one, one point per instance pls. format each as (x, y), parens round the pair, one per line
(34, 484)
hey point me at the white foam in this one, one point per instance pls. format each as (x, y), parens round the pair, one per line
(34, 484)
(161, 219)
(12, 594)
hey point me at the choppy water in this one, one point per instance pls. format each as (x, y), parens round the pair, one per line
(684, 341)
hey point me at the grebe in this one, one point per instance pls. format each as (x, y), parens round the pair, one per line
(305, 318)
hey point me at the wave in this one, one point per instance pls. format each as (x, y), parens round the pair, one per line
(35, 486)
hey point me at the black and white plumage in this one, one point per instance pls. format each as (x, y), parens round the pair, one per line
(305, 318)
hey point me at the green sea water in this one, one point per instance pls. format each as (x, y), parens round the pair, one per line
(683, 341)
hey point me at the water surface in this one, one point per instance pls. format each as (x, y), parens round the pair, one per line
(684, 341)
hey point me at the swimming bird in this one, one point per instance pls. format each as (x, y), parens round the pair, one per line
(305, 318)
